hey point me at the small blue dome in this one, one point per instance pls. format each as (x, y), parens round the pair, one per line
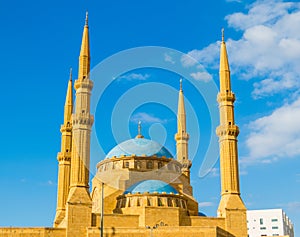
(201, 214)
(139, 147)
(151, 186)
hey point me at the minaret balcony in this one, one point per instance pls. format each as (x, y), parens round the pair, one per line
(83, 118)
(66, 129)
(226, 96)
(84, 83)
(182, 136)
(64, 156)
(227, 130)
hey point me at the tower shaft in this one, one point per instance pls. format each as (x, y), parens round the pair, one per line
(231, 205)
(64, 157)
(82, 119)
(182, 137)
(79, 203)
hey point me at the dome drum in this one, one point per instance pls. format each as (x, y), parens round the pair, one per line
(141, 200)
(138, 163)
(151, 193)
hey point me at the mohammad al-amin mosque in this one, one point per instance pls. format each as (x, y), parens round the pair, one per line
(151, 193)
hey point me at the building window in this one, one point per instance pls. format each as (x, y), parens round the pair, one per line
(149, 202)
(263, 228)
(274, 220)
(159, 202)
(274, 227)
(170, 202)
(183, 204)
(138, 165)
(123, 203)
(126, 164)
(261, 221)
(159, 165)
(149, 165)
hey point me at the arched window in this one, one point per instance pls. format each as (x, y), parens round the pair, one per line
(149, 165)
(138, 202)
(159, 202)
(138, 165)
(170, 202)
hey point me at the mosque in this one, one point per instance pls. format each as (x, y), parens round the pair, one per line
(140, 189)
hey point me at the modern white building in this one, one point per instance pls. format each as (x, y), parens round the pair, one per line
(269, 222)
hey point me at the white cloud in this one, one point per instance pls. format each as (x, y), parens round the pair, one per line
(206, 56)
(268, 50)
(213, 172)
(206, 204)
(134, 76)
(50, 183)
(261, 12)
(201, 76)
(169, 59)
(276, 136)
(292, 206)
(147, 118)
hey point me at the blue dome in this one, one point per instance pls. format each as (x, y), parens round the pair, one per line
(151, 186)
(139, 147)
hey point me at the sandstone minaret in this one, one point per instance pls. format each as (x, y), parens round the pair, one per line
(182, 137)
(231, 205)
(64, 157)
(79, 203)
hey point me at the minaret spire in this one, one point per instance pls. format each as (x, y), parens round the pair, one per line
(64, 157)
(82, 122)
(69, 100)
(84, 57)
(225, 84)
(231, 205)
(182, 136)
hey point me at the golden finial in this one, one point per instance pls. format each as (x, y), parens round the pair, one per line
(180, 84)
(222, 34)
(70, 73)
(86, 18)
(140, 130)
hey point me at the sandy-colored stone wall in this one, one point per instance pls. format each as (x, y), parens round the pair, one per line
(32, 232)
(162, 231)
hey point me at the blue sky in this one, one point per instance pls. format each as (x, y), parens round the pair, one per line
(41, 41)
